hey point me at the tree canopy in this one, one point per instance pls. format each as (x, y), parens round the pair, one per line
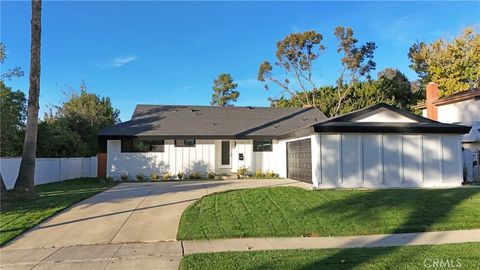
(13, 113)
(224, 92)
(11, 73)
(74, 125)
(295, 55)
(454, 65)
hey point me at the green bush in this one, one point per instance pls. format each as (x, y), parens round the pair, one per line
(167, 176)
(180, 175)
(270, 174)
(210, 175)
(124, 176)
(154, 177)
(140, 176)
(259, 173)
(242, 172)
(195, 175)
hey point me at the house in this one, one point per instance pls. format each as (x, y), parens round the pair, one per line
(380, 146)
(461, 108)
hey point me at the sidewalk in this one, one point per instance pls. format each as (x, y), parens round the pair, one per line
(167, 255)
(380, 240)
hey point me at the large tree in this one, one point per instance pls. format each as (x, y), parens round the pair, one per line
(79, 118)
(394, 84)
(357, 62)
(24, 186)
(224, 92)
(454, 65)
(12, 124)
(295, 56)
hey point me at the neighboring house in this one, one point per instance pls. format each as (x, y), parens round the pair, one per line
(462, 108)
(380, 146)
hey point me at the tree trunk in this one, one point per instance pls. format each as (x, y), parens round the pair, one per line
(3, 188)
(24, 186)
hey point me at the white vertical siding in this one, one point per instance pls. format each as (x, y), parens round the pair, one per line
(392, 160)
(200, 158)
(372, 159)
(331, 159)
(412, 160)
(351, 158)
(387, 160)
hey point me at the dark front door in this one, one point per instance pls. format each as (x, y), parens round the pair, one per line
(299, 160)
(225, 153)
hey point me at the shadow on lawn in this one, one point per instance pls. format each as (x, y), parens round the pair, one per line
(425, 212)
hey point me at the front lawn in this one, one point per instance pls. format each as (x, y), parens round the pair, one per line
(462, 256)
(288, 211)
(20, 216)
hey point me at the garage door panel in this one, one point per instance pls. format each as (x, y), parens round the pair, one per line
(299, 160)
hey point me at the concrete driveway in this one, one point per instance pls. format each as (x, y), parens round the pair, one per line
(127, 213)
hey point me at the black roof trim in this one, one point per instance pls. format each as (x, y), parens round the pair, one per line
(376, 127)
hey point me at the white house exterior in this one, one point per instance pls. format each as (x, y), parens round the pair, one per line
(378, 147)
(461, 108)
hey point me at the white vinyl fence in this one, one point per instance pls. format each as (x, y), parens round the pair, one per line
(49, 170)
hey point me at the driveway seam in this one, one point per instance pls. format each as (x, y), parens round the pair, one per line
(113, 256)
(46, 257)
(129, 216)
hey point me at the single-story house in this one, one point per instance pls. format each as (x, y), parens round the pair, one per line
(380, 146)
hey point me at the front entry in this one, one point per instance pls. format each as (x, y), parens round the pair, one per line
(226, 155)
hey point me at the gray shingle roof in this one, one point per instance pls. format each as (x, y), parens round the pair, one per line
(171, 121)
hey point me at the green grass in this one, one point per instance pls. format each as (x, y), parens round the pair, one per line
(463, 256)
(288, 211)
(17, 217)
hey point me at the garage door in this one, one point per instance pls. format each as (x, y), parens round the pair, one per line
(299, 160)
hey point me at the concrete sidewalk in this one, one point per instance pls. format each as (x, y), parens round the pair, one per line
(167, 255)
(379, 240)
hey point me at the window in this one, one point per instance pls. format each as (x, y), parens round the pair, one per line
(262, 145)
(185, 143)
(142, 145)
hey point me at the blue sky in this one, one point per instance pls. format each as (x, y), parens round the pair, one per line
(170, 53)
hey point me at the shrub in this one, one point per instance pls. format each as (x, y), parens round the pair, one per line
(259, 173)
(155, 177)
(270, 174)
(195, 175)
(124, 176)
(210, 175)
(167, 176)
(242, 172)
(140, 176)
(106, 180)
(180, 175)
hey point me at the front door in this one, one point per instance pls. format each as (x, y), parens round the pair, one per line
(226, 155)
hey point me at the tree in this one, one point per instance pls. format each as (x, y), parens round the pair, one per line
(12, 112)
(11, 73)
(56, 139)
(24, 186)
(394, 84)
(224, 91)
(85, 114)
(454, 65)
(357, 61)
(296, 55)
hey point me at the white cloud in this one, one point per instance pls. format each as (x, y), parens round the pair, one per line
(116, 62)
(191, 86)
(121, 61)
